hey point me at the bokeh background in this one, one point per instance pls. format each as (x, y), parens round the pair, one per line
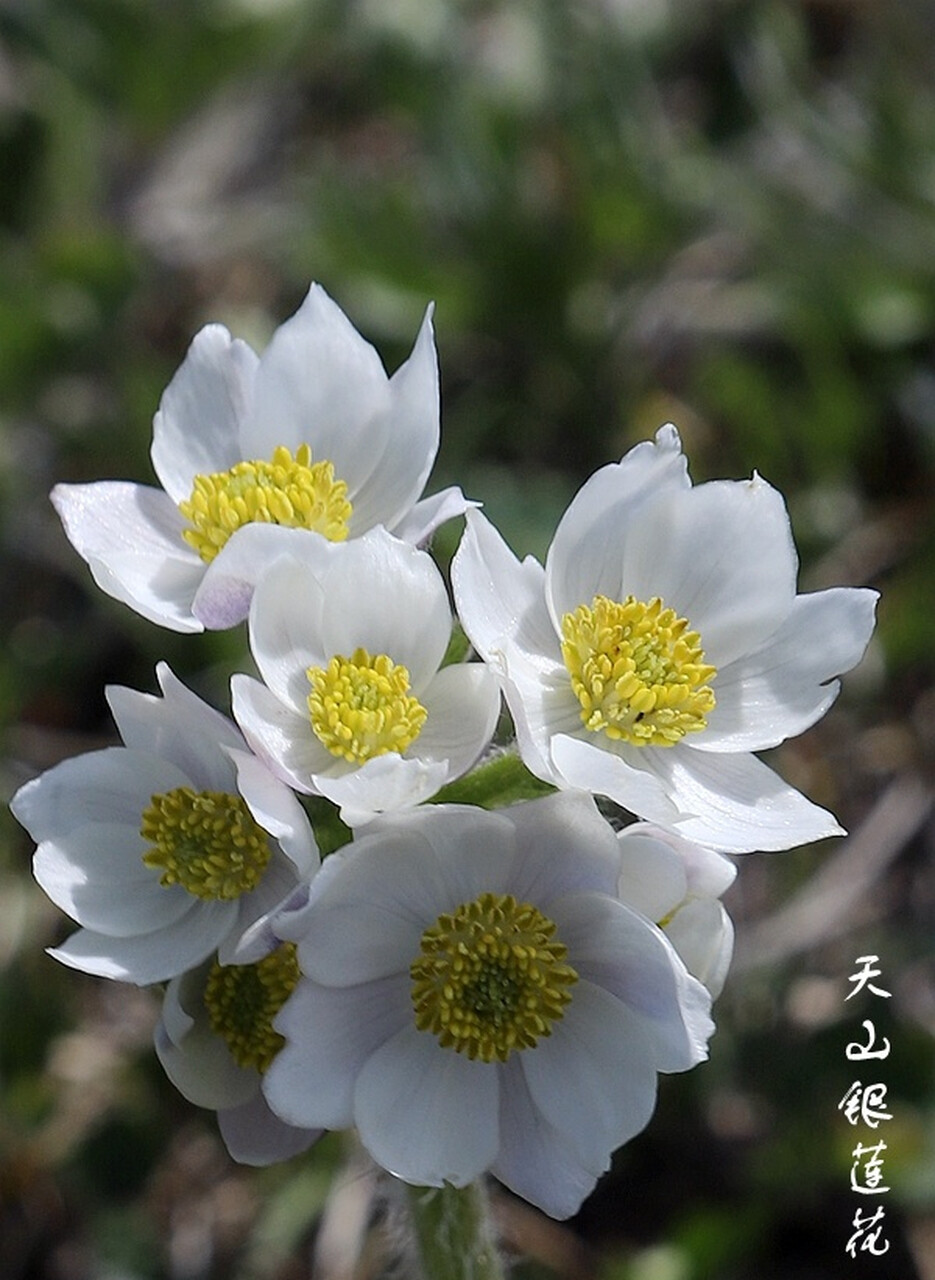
(627, 211)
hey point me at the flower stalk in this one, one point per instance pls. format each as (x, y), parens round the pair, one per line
(453, 1232)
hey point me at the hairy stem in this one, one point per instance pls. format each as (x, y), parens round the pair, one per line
(453, 1233)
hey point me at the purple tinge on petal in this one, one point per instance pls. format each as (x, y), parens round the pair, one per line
(536, 1160)
(254, 1135)
(426, 1114)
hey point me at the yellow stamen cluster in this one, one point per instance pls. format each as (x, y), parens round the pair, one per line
(206, 841)
(361, 707)
(638, 672)
(490, 978)
(289, 491)
(243, 999)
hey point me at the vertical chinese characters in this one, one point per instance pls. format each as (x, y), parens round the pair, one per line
(865, 1104)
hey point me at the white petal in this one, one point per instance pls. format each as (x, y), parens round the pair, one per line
(787, 684)
(720, 555)
(330, 1033)
(251, 936)
(652, 875)
(737, 804)
(286, 627)
(708, 874)
(586, 554)
(223, 598)
(175, 1021)
(419, 524)
(563, 845)
(463, 705)
(401, 441)
(131, 538)
(199, 1063)
(319, 383)
(535, 1160)
(197, 426)
(270, 927)
(150, 957)
(471, 851)
(394, 882)
(427, 1114)
(381, 785)
(179, 727)
(373, 591)
(618, 950)
(502, 608)
(501, 601)
(254, 1136)
(593, 1079)
(543, 708)
(598, 768)
(113, 786)
(282, 738)
(97, 875)
(277, 810)
(703, 935)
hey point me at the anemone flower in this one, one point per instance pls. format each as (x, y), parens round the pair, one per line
(662, 644)
(251, 452)
(475, 997)
(355, 704)
(176, 845)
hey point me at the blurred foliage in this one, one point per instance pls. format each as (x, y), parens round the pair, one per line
(626, 211)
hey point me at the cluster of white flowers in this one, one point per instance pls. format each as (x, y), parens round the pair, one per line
(473, 988)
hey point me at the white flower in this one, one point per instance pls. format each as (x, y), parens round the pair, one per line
(169, 848)
(475, 997)
(215, 1040)
(349, 640)
(678, 885)
(252, 452)
(662, 643)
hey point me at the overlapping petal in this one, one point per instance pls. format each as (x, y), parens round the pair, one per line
(719, 555)
(200, 1065)
(375, 599)
(318, 384)
(87, 817)
(547, 1118)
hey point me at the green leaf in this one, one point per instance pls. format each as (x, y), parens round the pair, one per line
(330, 832)
(502, 781)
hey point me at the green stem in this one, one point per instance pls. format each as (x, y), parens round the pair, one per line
(453, 1233)
(499, 782)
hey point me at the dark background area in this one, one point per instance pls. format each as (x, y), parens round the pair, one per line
(627, 211)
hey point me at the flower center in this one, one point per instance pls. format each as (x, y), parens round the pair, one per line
(638, 672)
(206, 841)
(361, 707)
(490, 978)
(243, 999)
(290, 491)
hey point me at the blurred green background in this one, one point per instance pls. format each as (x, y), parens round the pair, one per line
(627, 211)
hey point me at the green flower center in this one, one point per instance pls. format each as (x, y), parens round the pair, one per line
(243, 999)
(361, 707)
(638, 672)
(289, 491)
(490, 978)
(206, 841)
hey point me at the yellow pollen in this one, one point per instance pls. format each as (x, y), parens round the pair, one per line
(638, 672)
(243, 999)
(289, 491)
(361, 707)
(490, 978)
(206, 841)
